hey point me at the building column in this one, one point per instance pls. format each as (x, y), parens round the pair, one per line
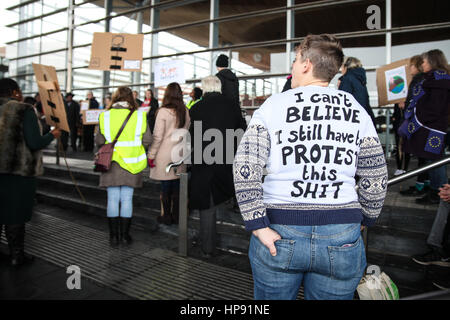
(290, 34)
(388, 60)
(154, 24)
(213, 34)
(388, 34)
(69, 54)
(136, 76)
(107, 74)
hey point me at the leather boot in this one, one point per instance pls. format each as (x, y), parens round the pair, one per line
(165, 216)
(113, 231)
(125, 237)
(175, 212)
(15, 233)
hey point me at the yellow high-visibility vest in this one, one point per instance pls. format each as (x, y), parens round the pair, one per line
(191, 103)
(129, 152)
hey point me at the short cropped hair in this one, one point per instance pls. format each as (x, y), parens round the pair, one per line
(325, 53)
(211, 84)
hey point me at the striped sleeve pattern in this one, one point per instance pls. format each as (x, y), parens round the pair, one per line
(372, 184)
(251, 157)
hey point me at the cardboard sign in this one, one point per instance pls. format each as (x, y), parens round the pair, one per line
(392, 82)
(117, 51)
(169, 71)
(91, 116)
(84, 105)
(145, 109)
(51, 98)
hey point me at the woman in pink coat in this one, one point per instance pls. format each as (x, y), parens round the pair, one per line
(169, 135)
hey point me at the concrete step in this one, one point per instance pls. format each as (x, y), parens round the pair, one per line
(90, 177)
(56, 188)
(399, 231)
(93, 193)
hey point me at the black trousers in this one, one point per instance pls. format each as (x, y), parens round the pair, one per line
(73, 137)
(208, 234)
(88, 138)
(64, 139)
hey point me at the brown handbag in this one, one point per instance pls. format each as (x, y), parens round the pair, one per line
(102, 161)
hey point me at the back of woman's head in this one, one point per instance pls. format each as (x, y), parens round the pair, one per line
(416, 61)
(352, 62)
(7, 87)
(150, 91)
(437, 60)
(173, 99)
(123, 94)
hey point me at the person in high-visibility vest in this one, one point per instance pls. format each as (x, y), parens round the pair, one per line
(169, 145)
(128, 160)
(196, 95)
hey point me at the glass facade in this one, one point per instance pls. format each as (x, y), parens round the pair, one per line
(256, 34)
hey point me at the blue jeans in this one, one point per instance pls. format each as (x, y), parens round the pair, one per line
(436, 236)
(122, 195)
(329, 260)
(438, 176)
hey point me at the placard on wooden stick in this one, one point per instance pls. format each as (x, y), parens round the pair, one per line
(51, 98)
(117, 51)
(392, 82)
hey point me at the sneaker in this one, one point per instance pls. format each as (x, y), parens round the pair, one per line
(399, 172)
(433, 257)
(443, 284)
(413, 192)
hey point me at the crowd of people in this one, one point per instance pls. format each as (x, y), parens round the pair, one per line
(305, 214)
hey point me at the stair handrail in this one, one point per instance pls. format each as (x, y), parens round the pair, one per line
(177, 163)
(409, 174)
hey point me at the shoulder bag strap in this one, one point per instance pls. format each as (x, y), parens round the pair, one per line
(123, 126)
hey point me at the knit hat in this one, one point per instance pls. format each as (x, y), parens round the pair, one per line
(222, 61)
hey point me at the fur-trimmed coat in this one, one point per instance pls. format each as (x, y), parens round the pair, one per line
(16, 156)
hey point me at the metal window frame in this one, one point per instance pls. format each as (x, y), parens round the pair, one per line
(268, 43)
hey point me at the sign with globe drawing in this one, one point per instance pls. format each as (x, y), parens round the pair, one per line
(396, 83)
(392, 82)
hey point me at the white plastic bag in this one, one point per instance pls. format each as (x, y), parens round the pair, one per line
(377, 287)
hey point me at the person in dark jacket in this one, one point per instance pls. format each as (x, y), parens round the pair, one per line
(212, 175)
(287, 84)
(228, 79)
(354, 81)
(136, 97)
(73, 118)
(88, 130)
(152, 102)
(427, 119)
(21, 142)
(422, 184)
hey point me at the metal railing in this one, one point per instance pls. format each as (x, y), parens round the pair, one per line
(406, 176)
(183, 208)
(183, 214)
